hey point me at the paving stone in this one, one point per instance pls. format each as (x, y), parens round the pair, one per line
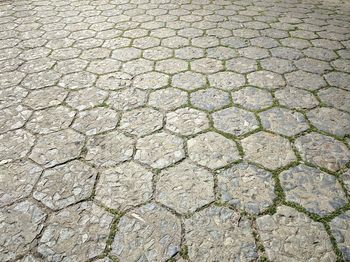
(289, 235)
(124, 186)
(152, 80)
(253, 52)
(17, 181)
(330, 120)
(277, 65)
(96, 121)
(86, 98)
(313, 65)
(226, 80)
(222, 225)
(46, 97)
(56, 148)
(341, 65)
(12, 96)
(13, 117)
(212, 150)
(187, 121)
(127, 99)
(77, 80)
(221, 53)
(137, 66)
(246, 187)
(188, 80)
(189, 53)
(185, 187)
(15, 145)
(37, 80)
(168, 99)
(171, 66)
(126, 54)
(296, 98)
(78, 233)
(283, 121)
(345, 177)
(338, 79)
(71, 66)
(50, 120)
(252, 98)
(315, 190)
(141, 121)
(323, 151)
(159, 150)
(106, 150)
(305, 80)
(147, 224)
(21, 223)
(210, 99)
(340, 228)
(66, 184)
(270, 150)
(266, 79)
(206, 65)
(104, 66)
(157, 53)
(114, 81)
(235, 121)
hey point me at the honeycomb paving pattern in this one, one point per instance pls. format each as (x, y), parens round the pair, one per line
(174, 130)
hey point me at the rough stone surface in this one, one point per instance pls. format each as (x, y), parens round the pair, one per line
(324, 151)
(149, 233)
(126, 185)
(252, 98)
(271, 151)
(66, 184)
(247, 187)
(210, 99)
(226, 236)
(13, 117)
(296, 98)
(212, 150)
(335, 97)
(340, 227)
(77, 233)
(289, 235)
(185, 187)
(167, 99)
(316, 191)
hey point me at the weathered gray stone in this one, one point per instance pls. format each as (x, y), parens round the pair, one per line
(289, 235)
(13, 117)
(46, 97)
(151, 80)
(266, 79)
(12, 96)
(127, 99)
(149, 233)
(340, 227)
(206, 65)
(247, 187)
(226, 236)
(226, 80)
(86, 98)
(335, 97)
(210, 99)
(296, 98)
(305, 80)
(168, 99)
(114, 81)
(252, 98)
(188, 80)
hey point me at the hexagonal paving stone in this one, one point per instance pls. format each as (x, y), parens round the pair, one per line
(126, 54)
(226, 80)
(157, 53)
(185, 187)
(330, 120)
(159, 150)
(289, 235)
(17, 180)
(235, 121)
(141, 121)
(345, 177)
(127, 99)
(313, 65)
(96, 120)
(152, 80)
(104, 66)
(78, 233)
(147, 224)
(114, 81)
(247, 187)
(315, 190)
(50, 120)
(168, 99)
(277, 65)
(86, 98)
(137, 66)
(252, 98)
(66, 184)
(222, 225)
(212, 150)
(109, 149)
(188, 80)
(56, 148)
(77, 80)
(12, 96)
(187, 121)
(189, 53)
(338, 79)
(335, 97)
(206, 65)
(283, 121)
(21, 223)
(340, 228)
(13, 117)
(270, 150)
(171, 66)
(305, 80)
(324, 151)
(242, 65)
(296, 98)
(253, 52)
(40, 79)
(46, 97)
(210, 99)
(266, 79)
(15, 145)
(125, 186)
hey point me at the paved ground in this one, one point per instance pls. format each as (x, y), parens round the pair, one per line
(155, 130)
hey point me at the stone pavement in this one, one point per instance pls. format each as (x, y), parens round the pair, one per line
(174, 130)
